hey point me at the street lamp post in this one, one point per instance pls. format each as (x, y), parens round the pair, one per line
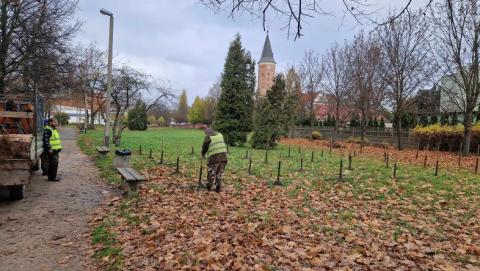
(106, 141)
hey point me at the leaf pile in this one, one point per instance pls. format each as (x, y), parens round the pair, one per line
(406, 156)
(305, 225)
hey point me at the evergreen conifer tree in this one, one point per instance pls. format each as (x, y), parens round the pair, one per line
(382, 123)
(444, 119)
(370, 122)
(454, 120)
(270, 116)
(423, 120)
(137, 117)
(234, 116)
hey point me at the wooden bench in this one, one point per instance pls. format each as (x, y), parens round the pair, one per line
(131, 177)
(103, 150)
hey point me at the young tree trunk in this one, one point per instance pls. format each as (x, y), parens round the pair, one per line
(337, 116)
(363, 127)
(467, 135)
(92, 109)
(85, 102)
(398, 130)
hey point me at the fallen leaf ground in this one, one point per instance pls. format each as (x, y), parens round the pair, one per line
(448, 160)
(366, 221)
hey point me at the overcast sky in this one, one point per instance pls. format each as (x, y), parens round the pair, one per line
(183, 42)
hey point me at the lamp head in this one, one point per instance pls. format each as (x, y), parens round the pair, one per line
(106, 12)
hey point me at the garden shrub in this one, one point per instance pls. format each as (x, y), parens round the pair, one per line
(316, 135)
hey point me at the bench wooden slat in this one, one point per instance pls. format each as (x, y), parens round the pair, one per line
(126, 174)
(135, 174)
(130, 175)
(103, 149)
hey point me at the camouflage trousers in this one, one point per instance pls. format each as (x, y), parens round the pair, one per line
(215, 173)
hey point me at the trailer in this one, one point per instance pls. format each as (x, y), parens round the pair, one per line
(21, 130)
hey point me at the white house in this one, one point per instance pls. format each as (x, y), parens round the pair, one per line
(74, 109)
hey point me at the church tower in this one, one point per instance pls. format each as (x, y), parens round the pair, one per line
(266, 69)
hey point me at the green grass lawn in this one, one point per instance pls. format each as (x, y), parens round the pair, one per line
(179, 143)
(416, 205)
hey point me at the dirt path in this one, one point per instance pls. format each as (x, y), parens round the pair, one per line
(45, 231)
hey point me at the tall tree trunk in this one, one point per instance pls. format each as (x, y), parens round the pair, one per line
(2, 85)
(115, 126)
(4, 43)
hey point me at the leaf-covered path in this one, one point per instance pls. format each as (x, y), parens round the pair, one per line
(48, 229)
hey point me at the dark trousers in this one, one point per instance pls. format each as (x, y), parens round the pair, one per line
(44, 162)
(52, 165)
(215, 172)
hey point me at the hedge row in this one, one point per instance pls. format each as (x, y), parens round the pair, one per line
(445, 137)
(437, 131)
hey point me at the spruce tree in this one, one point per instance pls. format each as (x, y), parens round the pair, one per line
(444, 119)
(271, 116)
(423, 120)
(454, 120)
(137, 117)
(234, 116)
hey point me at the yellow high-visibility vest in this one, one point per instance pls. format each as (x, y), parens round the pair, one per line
(217, 145)
(55, 142)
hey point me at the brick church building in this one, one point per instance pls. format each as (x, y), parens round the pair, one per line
(266, 69)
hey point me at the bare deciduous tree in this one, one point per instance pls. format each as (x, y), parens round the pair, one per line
(293, 87)
(406, 62)
(34, 40)
(456, 47)
(130, 86)
(297, 12)
(90, 74)
(364, 58)
(335, 84)
(310, 73)
(210, 102)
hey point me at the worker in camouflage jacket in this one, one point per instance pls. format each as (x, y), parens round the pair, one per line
(215, 149)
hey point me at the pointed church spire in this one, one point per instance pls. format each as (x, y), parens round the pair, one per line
(267, 53)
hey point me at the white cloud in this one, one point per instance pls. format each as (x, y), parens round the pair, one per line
(185, 43)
